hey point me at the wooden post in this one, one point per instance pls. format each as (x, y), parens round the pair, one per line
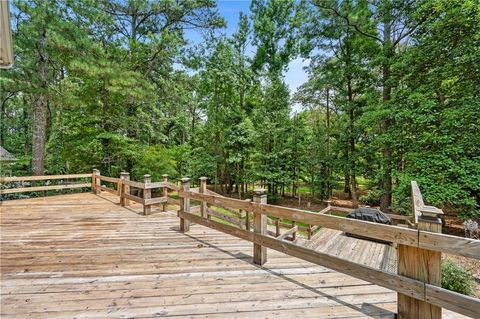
(147, 194)
(97, 181)
(259, 226)
(420, 264)
(247, 217)
(185, 205)
(125, 189)
(165, 192)
(203, 189)
(94, 183)
(294, 235)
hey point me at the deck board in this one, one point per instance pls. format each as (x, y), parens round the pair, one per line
(84, 256)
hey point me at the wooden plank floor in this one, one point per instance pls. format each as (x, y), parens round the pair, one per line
(366, 252)
(83, 256)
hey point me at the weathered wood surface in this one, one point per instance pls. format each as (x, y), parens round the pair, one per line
(361, 251)
(7, 179)
(84, 256)
(109, 179)
(417, 238)
(43, 188)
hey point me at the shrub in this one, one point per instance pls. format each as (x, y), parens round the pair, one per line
(456, 278)
(372, 198)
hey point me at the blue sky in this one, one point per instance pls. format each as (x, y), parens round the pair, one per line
(230, 10)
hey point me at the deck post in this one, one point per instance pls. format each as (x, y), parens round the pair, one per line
(97, 181)
(259, 226)
(185, 205)
(294, 234)
(203, 189)
(420, 264)
(124, 176)
(147, 194)
(165, 192)
(94, 183)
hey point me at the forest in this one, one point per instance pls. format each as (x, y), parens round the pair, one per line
(393, 95)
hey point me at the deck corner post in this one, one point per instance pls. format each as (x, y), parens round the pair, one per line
(420, 264)
(203, 190)
(185, 205)
(124, 189)
(147, 194)
(260, 227)
(165, 192)
(97, 181)
(94, 183)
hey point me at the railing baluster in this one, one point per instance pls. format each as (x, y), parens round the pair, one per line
(260, 226)
(185, 206)
(147, 194)
(203, 190)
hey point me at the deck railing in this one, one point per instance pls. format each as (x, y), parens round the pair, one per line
(419, 249)
(25, 189)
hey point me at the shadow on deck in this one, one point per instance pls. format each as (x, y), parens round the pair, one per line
(84, 256)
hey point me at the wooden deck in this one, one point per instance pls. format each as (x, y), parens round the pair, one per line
(84, 256)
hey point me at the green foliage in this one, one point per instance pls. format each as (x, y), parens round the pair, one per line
(456, 278)
(155, 161)
(372, 198)
(126, 91)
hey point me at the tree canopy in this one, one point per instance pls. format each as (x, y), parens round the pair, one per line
(393, 95)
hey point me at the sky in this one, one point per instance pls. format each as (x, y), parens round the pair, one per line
(230, 10)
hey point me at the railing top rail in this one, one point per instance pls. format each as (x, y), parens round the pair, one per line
(412, 237)
(7, 179)
(418, 205)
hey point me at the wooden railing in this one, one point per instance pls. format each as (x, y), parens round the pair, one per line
(24, 189)
(123, 186)
(419, 250)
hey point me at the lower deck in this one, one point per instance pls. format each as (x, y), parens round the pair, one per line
(84, 256)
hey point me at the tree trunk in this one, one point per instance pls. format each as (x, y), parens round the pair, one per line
(386, 199)
(40, 110)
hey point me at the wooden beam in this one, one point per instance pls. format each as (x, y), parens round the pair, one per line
(125, 189)
(147, 195)
(289, 232)
(185, 205)
(461, 246)
(388, 280)
(259, 227)
(41, 177)
(165, 192)
(203, 189)
(156, 200)
(133, 198)
(370, 229)
(43, 188)
(421, 264)
(109, 179)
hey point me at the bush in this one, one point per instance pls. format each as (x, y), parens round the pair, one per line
(456, 278)
(372, 198)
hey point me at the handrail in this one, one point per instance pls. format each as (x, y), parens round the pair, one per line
(405, 285)
(123, 189)
(417, 289)
(412, 237)
(69, 185)
(7, 179)
(419, 207)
